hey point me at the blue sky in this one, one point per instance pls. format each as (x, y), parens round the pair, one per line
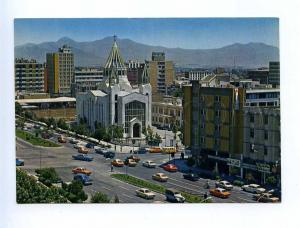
(189, 33)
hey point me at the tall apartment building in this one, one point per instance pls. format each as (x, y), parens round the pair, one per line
(261, 75)
(161, 73)
(29, 76)
(228, 134)
(60, 72)
(213, 124)
(274, 73)
(134, 71)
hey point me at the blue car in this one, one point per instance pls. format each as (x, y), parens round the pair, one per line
(83, 178)
(19, 162)
(90, 145)
(83, 157)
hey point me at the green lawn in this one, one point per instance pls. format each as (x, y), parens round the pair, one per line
(34, 140)
(154, 187)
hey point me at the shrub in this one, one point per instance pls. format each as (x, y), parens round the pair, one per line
(271, 180)
(48, 176)
(74, 192)
(116, 199)
(100, 197)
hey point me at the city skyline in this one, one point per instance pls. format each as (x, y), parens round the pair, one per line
(188, 33)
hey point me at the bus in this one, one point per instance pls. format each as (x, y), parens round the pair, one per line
(155, 150)
(169, 149)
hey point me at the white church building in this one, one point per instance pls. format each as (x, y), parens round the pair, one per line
(116, 102)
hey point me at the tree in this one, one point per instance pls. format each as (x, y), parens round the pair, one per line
(100, 197)
(62, 124)
(116, 199)
(18, 109)
(249, 177)
(48, 176)
(271, 180)
(74, 192)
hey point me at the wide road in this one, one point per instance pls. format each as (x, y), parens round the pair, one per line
(61, 160)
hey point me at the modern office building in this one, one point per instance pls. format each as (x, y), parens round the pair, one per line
(261, 75)
(261, 152)
(263, 97)
(60, 72)
(87, 79)
(134, 71)
(197, 75)
(29, 76)
(213, 125)
(167, 112)
(274, 73)
(116, 102)
(161, 73)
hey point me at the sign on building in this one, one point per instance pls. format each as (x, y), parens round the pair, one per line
(233, 162)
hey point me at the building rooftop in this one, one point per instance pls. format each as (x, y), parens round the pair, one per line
(98, 93)
(46, 100)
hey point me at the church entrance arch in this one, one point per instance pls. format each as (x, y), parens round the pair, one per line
(136, 130)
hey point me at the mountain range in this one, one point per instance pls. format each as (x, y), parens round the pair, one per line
(95, 53)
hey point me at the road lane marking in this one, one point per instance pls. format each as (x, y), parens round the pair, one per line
(128, 196)
(124, 188)
(109, 189)
(247, 200)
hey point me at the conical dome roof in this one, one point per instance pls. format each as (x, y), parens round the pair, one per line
(114, 59)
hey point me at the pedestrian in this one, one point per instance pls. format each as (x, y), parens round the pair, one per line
(205, 195)
(111, 168)
(131, 151)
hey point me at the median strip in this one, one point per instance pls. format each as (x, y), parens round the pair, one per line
(155, 187)
(36, 141)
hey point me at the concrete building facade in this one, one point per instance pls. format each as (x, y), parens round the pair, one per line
(60, 72)
(29, 76)
(274, 73)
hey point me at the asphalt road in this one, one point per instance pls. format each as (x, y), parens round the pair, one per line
(61, 159)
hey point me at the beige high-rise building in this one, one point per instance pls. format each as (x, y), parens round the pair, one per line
(161, 73)
(60, 72)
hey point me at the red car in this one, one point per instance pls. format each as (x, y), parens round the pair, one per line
(170, 168)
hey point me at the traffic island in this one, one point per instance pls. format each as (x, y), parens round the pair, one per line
(190, 198)
(36, 141)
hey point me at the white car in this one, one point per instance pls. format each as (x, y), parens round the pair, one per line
(73, 141)
(224, 184)
(149, 164)
(78, 145)
(253, 188)
(145, 193)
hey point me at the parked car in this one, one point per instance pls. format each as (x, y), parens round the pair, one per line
(61, 139)
(266, 198)
(174, 195)
(170, 168)
(149, 164)
(130, 162)
(118, 163)
(141, 151)
(134, 157)
(101, 150)
(77, 145)
(191, 176)
(160, 177)
(109, 154)
(219, 192)
(81, 170)
(83, 178)
(83, 157)
(145, 193)
(224, 184)
(46, 135)
(19, 162)
(90, 145)
(73, 141)
(253, 188)
(83, 150)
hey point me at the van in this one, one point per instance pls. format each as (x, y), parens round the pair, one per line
(174, 195)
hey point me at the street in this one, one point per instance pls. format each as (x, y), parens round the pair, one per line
(61, 159)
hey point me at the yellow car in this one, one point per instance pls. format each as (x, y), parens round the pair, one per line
(117, 163)
(145, 193)
(160, 177)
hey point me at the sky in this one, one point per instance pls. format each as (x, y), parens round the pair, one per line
(190, 33)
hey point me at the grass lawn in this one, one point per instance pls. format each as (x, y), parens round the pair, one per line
(34, 140)
(155, 187)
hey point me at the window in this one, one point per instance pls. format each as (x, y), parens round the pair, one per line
(251, 133)
(217, 128)
(202, 112)
(202, 140)
(251, 118)
(217, 113)
(217, 98)
(265, 150)
(266, 135)
(266, 119)
(202, 125)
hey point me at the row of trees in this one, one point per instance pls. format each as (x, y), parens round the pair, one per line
(151, 138)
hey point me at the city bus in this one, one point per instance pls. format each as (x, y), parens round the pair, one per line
(155, 150)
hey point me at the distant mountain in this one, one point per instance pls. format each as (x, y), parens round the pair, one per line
(95, 53)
